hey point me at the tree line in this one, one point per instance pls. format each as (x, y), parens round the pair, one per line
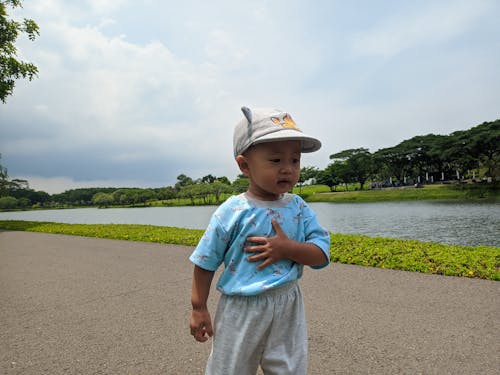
(16, 194)
(472, 154)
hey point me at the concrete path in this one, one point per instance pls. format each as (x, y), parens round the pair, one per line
(72, 305)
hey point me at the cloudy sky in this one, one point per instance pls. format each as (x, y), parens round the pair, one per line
(135, 93)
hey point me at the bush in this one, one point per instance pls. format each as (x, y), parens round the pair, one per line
(24, 203)
(8, 203)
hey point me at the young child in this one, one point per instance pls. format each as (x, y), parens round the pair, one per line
(264, 237)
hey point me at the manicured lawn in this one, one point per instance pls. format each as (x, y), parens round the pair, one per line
(427, 192)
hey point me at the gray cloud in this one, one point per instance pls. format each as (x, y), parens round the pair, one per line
(126, 102)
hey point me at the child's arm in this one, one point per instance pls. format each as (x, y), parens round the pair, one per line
(272, 249)
(201, 323)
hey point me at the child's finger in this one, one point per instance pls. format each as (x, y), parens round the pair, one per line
(202, 334)
(209, 330)
(277, 228)
(256, 258)
(265, 263)
(257, 239)
(254, 249)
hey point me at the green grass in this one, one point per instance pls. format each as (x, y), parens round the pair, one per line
(428, 192)
(311, 189)
(128, 232)
(408, 255)
(416, 256)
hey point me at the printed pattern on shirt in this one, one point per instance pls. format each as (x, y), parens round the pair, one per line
(236, 220)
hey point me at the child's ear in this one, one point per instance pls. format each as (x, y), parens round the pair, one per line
(243, 164)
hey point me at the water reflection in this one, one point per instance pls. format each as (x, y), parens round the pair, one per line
(461, 223)
(442, 222)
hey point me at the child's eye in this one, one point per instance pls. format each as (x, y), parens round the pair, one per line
(275, 160)
(296, 161)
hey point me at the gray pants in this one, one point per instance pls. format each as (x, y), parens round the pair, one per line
(267, 330)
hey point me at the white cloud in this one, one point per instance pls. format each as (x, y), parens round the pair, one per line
(163, 100)
(105, 6)
(55, 185)
(221, 48)
(102, 88)
(435, 24)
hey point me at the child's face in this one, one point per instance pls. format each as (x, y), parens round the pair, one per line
(273, 168)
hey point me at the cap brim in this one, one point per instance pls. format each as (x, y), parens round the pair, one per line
(309, 144)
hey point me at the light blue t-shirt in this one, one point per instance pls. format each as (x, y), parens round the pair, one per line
(240, 217)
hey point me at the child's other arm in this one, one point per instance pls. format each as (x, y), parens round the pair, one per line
(201, 323)
(272, 249)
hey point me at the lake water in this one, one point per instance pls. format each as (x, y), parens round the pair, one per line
(464, 223)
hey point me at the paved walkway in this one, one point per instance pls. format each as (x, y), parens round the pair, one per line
(72, 305)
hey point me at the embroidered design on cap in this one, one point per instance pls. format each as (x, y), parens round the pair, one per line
(285, 121)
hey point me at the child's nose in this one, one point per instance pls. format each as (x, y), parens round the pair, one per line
(286, 168)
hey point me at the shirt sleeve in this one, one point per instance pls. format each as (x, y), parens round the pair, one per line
(316, 234)
(210, 251)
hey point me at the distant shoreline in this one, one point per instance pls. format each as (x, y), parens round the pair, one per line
(321, 193)
(476, 192)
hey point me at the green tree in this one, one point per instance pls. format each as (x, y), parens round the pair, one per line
(392, 162)
(129, 197)
(218, 188)
(329, 176)
(103, 199)
(343, 172)
(145, 195)
(191, 192)
(166, 193)
(183, 180)
(306, 173)
(4, 180)
(10, 67)
(357, 165)
(23, 202)
(482, 147)
(208, 179)
(419, 156)
(7, 187)
(240, 185)
(224, 180)
(7, 203)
